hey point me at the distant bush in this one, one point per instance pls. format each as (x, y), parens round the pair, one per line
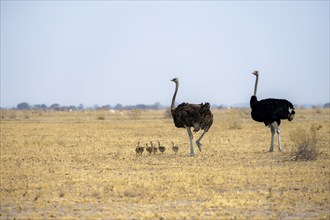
(167, 113)
(326, 105)
(101, 117)
(305, 145)
(23, 106)
(234, 120)
(235, 124)
(135, 114)
(12, 115)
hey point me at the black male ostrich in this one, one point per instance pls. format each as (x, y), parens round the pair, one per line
(188, 115)
(270, 112)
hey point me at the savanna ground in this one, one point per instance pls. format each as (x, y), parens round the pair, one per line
(83, 165)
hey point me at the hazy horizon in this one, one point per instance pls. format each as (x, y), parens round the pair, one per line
(148, 105)
(110, 52)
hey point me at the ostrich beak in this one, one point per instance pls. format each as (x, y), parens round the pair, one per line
(290, 118)
(255, 72)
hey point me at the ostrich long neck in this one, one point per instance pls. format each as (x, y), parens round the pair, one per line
(256, 85)
(174, 95)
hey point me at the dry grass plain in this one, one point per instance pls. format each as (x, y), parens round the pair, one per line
(83, 165)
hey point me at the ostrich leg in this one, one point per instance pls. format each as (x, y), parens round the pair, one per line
(191, 143)
(278, 131)
(272, 130)
(198, 142)
(279, 139)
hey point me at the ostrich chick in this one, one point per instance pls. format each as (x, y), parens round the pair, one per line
(161, 148)
(175, 148)
(149, 149)
(154, 149)
(139, 149)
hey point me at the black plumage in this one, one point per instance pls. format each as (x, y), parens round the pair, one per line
(271, 111)
(185, 115)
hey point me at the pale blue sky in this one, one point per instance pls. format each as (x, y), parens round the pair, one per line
(109, 52)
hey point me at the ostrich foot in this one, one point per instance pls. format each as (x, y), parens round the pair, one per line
(271, 149)
(199, 145)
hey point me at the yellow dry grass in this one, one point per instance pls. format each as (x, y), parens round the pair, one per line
(83, 165)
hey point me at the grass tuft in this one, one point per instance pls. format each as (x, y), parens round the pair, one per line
(305, 145)
(235, 125)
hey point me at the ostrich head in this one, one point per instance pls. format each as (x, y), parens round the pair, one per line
(255, 72)
(291, 114)
(175, 80)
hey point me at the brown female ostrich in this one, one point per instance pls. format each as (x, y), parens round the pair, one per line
(188, 115)
(270, 112)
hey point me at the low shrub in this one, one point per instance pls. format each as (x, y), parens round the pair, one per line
(305, 145)
(101, 117)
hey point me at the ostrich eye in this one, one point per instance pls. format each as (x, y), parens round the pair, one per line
(291, 111)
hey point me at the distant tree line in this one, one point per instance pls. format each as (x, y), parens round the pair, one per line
(58, 107)
(155, 106)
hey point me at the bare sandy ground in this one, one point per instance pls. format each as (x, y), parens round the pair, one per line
(74, 165)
